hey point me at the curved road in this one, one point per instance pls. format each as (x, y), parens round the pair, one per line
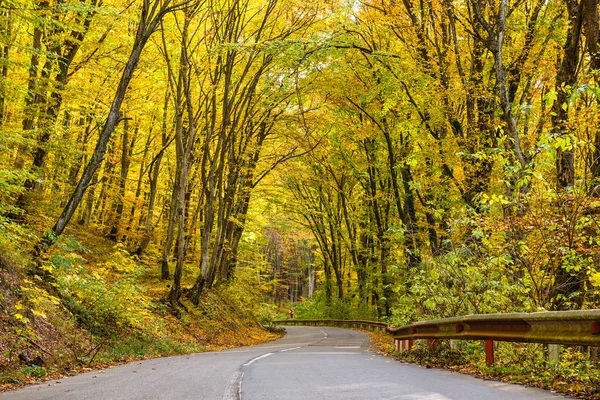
(308, 363)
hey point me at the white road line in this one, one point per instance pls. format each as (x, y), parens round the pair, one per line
(239, 378)
(258, 358)
(240, 386)
(328, 353)
(293, 348)
(233, 389)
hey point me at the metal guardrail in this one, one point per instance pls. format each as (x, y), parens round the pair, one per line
(550, 327)
(371, 325)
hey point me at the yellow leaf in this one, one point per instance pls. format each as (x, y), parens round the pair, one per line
(595, 279)
(20, 317)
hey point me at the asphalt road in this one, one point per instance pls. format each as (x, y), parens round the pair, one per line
(308, 363)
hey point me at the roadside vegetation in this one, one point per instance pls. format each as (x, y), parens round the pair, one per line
(173, 171)
(574, 375)
(96, 305)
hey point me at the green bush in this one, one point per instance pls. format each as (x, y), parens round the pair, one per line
(35, 371)
(342, 309)
(100, 306)
(266, 313)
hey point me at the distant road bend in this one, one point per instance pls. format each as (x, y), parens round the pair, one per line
(308, 363)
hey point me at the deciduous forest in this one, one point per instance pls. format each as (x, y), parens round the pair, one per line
(166, 164)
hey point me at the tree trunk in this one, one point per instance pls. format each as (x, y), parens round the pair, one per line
(184, 147)
(150, 18)
(591, 30)
(126, 152)
(89, 205)
(61, 55)
(6, 33)
(138, 188)
(565, 79)
(153, 174)
(32, 82)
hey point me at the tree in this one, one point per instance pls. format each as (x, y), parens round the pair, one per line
(151, 15)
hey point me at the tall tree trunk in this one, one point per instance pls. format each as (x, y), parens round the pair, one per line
(89, 204)
(406, 212)
(567, 283)
(153, 175)
(591, 29)
(126, 153)
(497, 48)
(138, 187)
(151, 15)
(32, 83)
(61, 56)
(565, 79)
(6, 34)
(171, 227)
(184, 141)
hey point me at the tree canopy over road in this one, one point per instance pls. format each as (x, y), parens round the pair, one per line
(378, 159)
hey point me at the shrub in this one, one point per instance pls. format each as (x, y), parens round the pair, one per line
(346, 308)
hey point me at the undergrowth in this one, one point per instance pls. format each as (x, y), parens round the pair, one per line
(90, 305)
(346, 308)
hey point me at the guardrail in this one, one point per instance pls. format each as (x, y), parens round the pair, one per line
(370, 325)
(550, 327)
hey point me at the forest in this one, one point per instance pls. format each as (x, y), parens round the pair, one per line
(370, 159)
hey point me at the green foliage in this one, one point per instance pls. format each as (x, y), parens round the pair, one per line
(146, 347)
(345, 309)
(102, 306)
(35, 371)
(11, 187)
(266, 313)
(460, 283)
(442, 353)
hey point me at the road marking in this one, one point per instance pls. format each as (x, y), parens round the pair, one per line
(328, 353)
(233, 391)
(258, 358)
(293, 348)
(347, 347)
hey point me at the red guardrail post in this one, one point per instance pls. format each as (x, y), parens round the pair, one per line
(403, 344)
(489, 352)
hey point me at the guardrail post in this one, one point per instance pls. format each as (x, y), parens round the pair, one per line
(489, 352)
(554, 352)
(403, 344)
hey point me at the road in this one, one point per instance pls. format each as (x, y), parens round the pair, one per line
(308, 363)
